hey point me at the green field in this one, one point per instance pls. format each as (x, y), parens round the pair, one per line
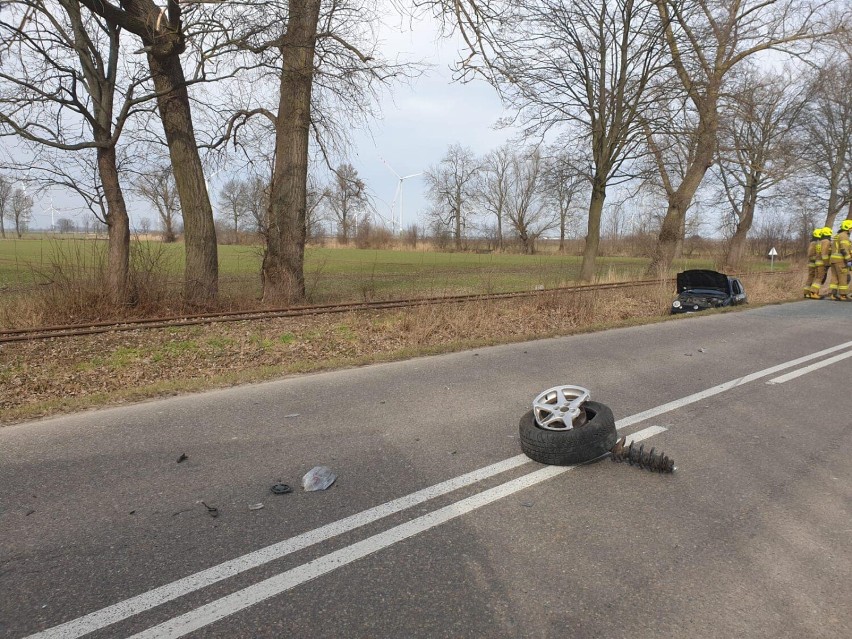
(330, 273)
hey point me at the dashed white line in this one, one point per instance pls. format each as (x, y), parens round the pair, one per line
(241, 599)
(158, 596)
(734, 383)
(809, 369)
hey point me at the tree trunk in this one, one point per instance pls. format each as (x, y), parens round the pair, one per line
(283, 263)
(118, 229)
(500, 230)
(734, 256)
(671, 232)
(526, 243)
(833, 207)
(458, 232)
(201, 271)
(593, 234)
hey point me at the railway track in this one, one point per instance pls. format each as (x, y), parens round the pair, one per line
(76, 330)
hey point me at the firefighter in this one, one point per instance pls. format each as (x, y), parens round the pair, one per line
(841, 254)
(812, 251)
(823, 255)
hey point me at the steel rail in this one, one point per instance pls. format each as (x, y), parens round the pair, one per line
(95, 328)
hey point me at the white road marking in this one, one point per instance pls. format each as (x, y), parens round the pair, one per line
(158, 596)
(241, 599)
(809, 369)
(147, 600)
(645, 432)
(721, 388)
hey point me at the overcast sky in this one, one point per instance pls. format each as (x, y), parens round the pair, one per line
(419, 121)
(422, 120)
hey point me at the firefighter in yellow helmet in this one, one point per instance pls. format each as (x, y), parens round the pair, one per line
(823, 256)
(841, 254)
(812, 251)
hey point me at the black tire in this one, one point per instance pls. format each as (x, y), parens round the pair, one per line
(568, 447)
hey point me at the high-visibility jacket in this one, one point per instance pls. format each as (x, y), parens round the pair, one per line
(812, 252)
(841, 247)
(824, 252)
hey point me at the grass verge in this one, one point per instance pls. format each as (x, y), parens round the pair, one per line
(49, 377)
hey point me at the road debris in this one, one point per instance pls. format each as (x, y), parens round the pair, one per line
(566, 428)
(257, 506)
(281, 489)
(211, 510)
(318, 478)
(183, 457)
(632, 454)
(291, 415)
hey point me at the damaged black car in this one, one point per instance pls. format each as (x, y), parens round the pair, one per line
(701, 289)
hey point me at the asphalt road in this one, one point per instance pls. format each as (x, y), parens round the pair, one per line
(102, 533)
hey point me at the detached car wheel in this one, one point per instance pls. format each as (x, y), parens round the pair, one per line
(567, 447)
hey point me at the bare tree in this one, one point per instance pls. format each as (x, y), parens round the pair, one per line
(314, 198)
(493, 186)
(257, 201)
(452, 188)
(65, 225)
(158, 188)
(324, 61)
(345, 199)
(827, 144)
(21, 211)
(562, 184)
(69, 73)
(526, 210)
(706, 41)
(145, 225)
(234, 199)
(755, 146)
(163, 36)
(6, 187)
(583, 64)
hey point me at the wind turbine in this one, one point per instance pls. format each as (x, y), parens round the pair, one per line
(52, 214)
(398, 194)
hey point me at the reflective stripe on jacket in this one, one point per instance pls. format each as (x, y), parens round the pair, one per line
(824, 252)
(841, 247)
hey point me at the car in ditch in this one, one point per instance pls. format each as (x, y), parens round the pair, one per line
(700, 289)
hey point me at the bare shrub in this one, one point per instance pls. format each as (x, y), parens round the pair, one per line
(69, 288)
(370, 236)
(410, 236)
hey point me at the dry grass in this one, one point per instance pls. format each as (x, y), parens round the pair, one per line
(53, 376)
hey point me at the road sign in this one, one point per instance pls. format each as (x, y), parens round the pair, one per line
(772, 254)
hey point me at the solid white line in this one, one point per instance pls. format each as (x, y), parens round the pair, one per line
(721, 388)
(809, 369)
(241, 599)
(140, 603)
(147, 600)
